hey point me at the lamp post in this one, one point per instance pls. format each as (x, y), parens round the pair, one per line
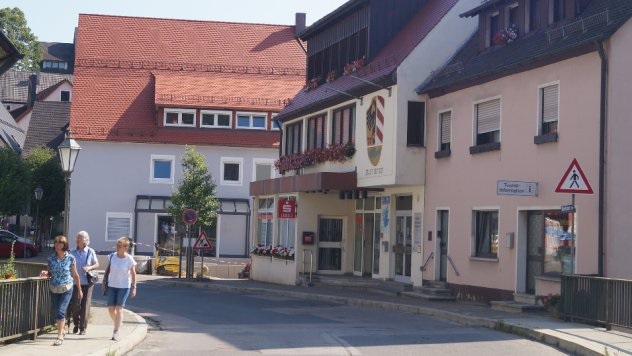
(38, 196)
(68, 152)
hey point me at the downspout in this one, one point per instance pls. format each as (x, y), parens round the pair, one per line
(602, 153)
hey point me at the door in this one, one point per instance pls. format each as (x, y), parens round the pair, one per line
(403, 246)
(535, 248)
(363, 248)
(442, 238)
(330, 244)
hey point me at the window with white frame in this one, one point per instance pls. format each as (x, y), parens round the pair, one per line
(287, 228)
(231, 170)
(179, 117)
(263, 169)
(265, 221)
(161, 169)
(445, 127)
(274, 124)
(221, 119)
(118, 225)
(251, 120)
(487, 122)
(549, 109)
(485, 233)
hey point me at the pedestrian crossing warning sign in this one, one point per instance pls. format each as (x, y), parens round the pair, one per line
(574, 181)
(202, 243)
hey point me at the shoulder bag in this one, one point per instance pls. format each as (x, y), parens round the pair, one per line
(92, 276)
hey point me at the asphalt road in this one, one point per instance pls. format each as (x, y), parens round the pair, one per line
(202, 322)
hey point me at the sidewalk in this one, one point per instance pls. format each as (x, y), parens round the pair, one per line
(575, 338)
(97, 340)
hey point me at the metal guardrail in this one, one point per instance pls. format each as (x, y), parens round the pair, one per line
(597, 300)
(25, 305)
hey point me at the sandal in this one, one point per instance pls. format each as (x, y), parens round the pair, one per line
(58, 342)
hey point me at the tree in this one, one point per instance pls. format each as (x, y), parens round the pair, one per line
(196, 190)
(14, 25)
(15, 180)
(46, 172)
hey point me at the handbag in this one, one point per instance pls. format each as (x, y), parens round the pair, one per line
(106, 276)
(92, 276)
(60, 289)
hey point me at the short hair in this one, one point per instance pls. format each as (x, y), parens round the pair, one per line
(63, 240)
(84, 236)
(123, 239)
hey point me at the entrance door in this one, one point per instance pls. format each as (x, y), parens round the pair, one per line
(442, 236)
(535, 248)
(330, 244)
(403, 246)
(365, 231)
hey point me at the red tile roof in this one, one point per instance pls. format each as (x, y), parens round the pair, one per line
(127, 66)
(380, 70)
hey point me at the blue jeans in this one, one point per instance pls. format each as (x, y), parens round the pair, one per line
(60, 303)
(117, 296)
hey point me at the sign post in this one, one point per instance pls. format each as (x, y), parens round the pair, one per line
(573, 181)
(189, 217)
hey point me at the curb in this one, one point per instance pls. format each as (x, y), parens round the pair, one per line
(128, 342)
(549, 338)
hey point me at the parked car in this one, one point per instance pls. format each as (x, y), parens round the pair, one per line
(22, 247)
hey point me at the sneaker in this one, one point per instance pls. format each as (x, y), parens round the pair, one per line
(75, 329)
(115, 336)
(82, 332)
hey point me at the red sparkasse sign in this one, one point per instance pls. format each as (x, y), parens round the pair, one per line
(287, 209)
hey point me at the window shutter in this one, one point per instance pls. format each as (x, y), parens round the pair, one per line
(446, 119)
(550, 103)
(118, 227)
(488, 116)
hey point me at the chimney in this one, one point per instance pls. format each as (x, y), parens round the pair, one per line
(32, 89)
(299, 23)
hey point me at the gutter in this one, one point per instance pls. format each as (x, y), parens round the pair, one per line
(602, 153)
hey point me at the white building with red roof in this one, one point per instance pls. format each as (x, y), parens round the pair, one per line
(146, 87)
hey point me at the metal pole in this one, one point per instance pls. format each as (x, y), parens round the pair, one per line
(573, 236)
(180, 263)
(66, 204)
(37, 232)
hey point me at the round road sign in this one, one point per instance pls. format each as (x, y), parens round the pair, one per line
(189, 216)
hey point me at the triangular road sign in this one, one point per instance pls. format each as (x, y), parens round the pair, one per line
(574, 181)
(202, 243)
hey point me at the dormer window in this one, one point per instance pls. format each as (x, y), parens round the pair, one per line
(47, 64)
(559, 10)
(493, 27)
(179, 117)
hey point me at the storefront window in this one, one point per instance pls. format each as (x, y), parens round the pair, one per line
(265, 221)
(287, 228)
(557, 242)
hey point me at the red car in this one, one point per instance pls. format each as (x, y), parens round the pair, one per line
(22, 248)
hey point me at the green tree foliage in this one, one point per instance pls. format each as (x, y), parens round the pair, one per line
(13, 24)
(46, 172)
(15, 180)
(196, 190)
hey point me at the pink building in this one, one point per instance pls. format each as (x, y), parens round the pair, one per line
(506, 118)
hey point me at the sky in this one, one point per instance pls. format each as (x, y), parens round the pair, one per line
(55, 21)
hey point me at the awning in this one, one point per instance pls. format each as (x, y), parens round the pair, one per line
(315, 182)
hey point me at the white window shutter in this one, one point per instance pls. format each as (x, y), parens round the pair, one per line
(550, 103)
(446, 119)
(488, 116)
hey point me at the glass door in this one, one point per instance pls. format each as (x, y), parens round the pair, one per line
(403, 246)
(330, 244)
(442, 236)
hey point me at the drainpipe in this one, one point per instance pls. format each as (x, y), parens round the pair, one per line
(602, 153)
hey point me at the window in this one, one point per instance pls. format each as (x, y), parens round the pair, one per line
(274, 124)
(316, 132)
(287, 229)
(512, 15)
(485, 233)
(416, 123)
(161, 169)
(65, 95)
(118, 225)
(54, 65)
(487, 122)
(559, 10)
(231, 171)
(445, 123)
(493, 27)
(263, 169)
(340, 53)
(549, 109)
(179, 117)
(220, 119)
(265, 221)
(251, 120)
(293, 138)
(343, 124)
(534, 20)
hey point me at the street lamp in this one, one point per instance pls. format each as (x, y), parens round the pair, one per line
(38, 196)
(68, 152)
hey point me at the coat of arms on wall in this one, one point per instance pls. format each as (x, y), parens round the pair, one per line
(374, 127)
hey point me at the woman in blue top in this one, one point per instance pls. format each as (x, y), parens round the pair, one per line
(62, 271)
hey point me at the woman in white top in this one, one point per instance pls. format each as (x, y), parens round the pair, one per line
(121, 283)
